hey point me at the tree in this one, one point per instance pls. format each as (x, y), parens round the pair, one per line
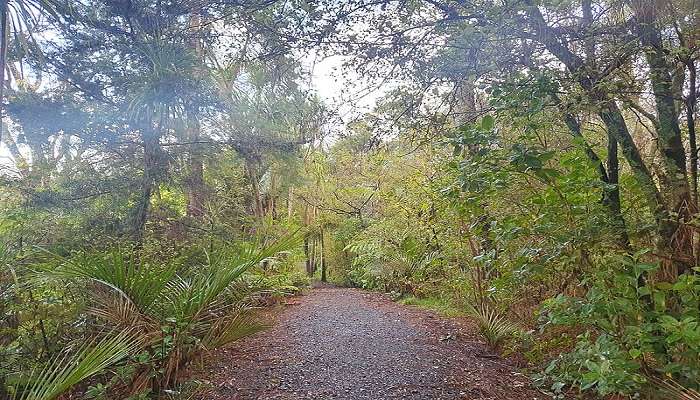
(18, 19)
(589, 55)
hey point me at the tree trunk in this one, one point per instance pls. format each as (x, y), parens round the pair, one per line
(19, 160)
(307, 253)
(255, 185)
(690, 103)
(690, 121)
(4, 31)
(195, 197)
(195, 180)
(617, 128)
(312, 253)
(150, 164)
(677, 238)
(323, 258)
(611, 195)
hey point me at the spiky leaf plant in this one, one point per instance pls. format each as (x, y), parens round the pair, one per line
(64, 372)
(176, 315)
(492, 324)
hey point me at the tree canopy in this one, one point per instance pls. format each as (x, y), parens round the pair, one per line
(167, 167)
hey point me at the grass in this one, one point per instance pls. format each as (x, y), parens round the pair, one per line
(444, 307)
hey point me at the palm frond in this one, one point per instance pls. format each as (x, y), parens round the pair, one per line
(141, 285)
(230, 329)
(120, 313)
(65, 372)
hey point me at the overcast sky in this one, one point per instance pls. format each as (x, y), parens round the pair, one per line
(343, 91)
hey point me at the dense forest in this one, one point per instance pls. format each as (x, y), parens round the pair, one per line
(169, 169)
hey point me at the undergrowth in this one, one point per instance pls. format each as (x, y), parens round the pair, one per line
(444, 307)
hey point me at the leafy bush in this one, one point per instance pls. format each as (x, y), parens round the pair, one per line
(634, 329)
(402, 267)
(176, 313)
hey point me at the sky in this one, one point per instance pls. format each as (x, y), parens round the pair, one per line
(344, 93)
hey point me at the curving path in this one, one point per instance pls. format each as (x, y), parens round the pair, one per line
(351, 344)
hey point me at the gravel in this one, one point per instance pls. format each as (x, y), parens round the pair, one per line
(351, 344)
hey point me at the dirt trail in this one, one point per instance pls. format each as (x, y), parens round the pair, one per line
(351, 344)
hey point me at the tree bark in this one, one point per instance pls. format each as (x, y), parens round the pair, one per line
(195, 180)
(255, 185)
(307, 253)
(690, 122)
(323, 258)
(617, 128)
(677, 238)
(312, 254)
(151, 141)
(4, 31)
(611, 189)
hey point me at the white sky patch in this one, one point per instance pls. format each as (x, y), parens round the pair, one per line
(342, 90)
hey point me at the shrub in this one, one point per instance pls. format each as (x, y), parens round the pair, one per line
(175, 315)
(633, 330)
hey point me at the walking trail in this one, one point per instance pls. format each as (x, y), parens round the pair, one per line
(350, 344)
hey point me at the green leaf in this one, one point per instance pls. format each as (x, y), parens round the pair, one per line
(63, 372)
(487, 123)
(634, 353)
(660, 301)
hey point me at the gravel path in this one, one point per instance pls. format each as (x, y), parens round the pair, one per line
(352, 344)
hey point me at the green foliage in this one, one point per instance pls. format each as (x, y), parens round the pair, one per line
(440, 305)
(630, 325)
(493, 324)
(62, 373)
(600, 365)
(174, 311)
(390, 266)
(279, 277)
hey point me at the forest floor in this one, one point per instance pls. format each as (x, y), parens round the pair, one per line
(337, 343)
